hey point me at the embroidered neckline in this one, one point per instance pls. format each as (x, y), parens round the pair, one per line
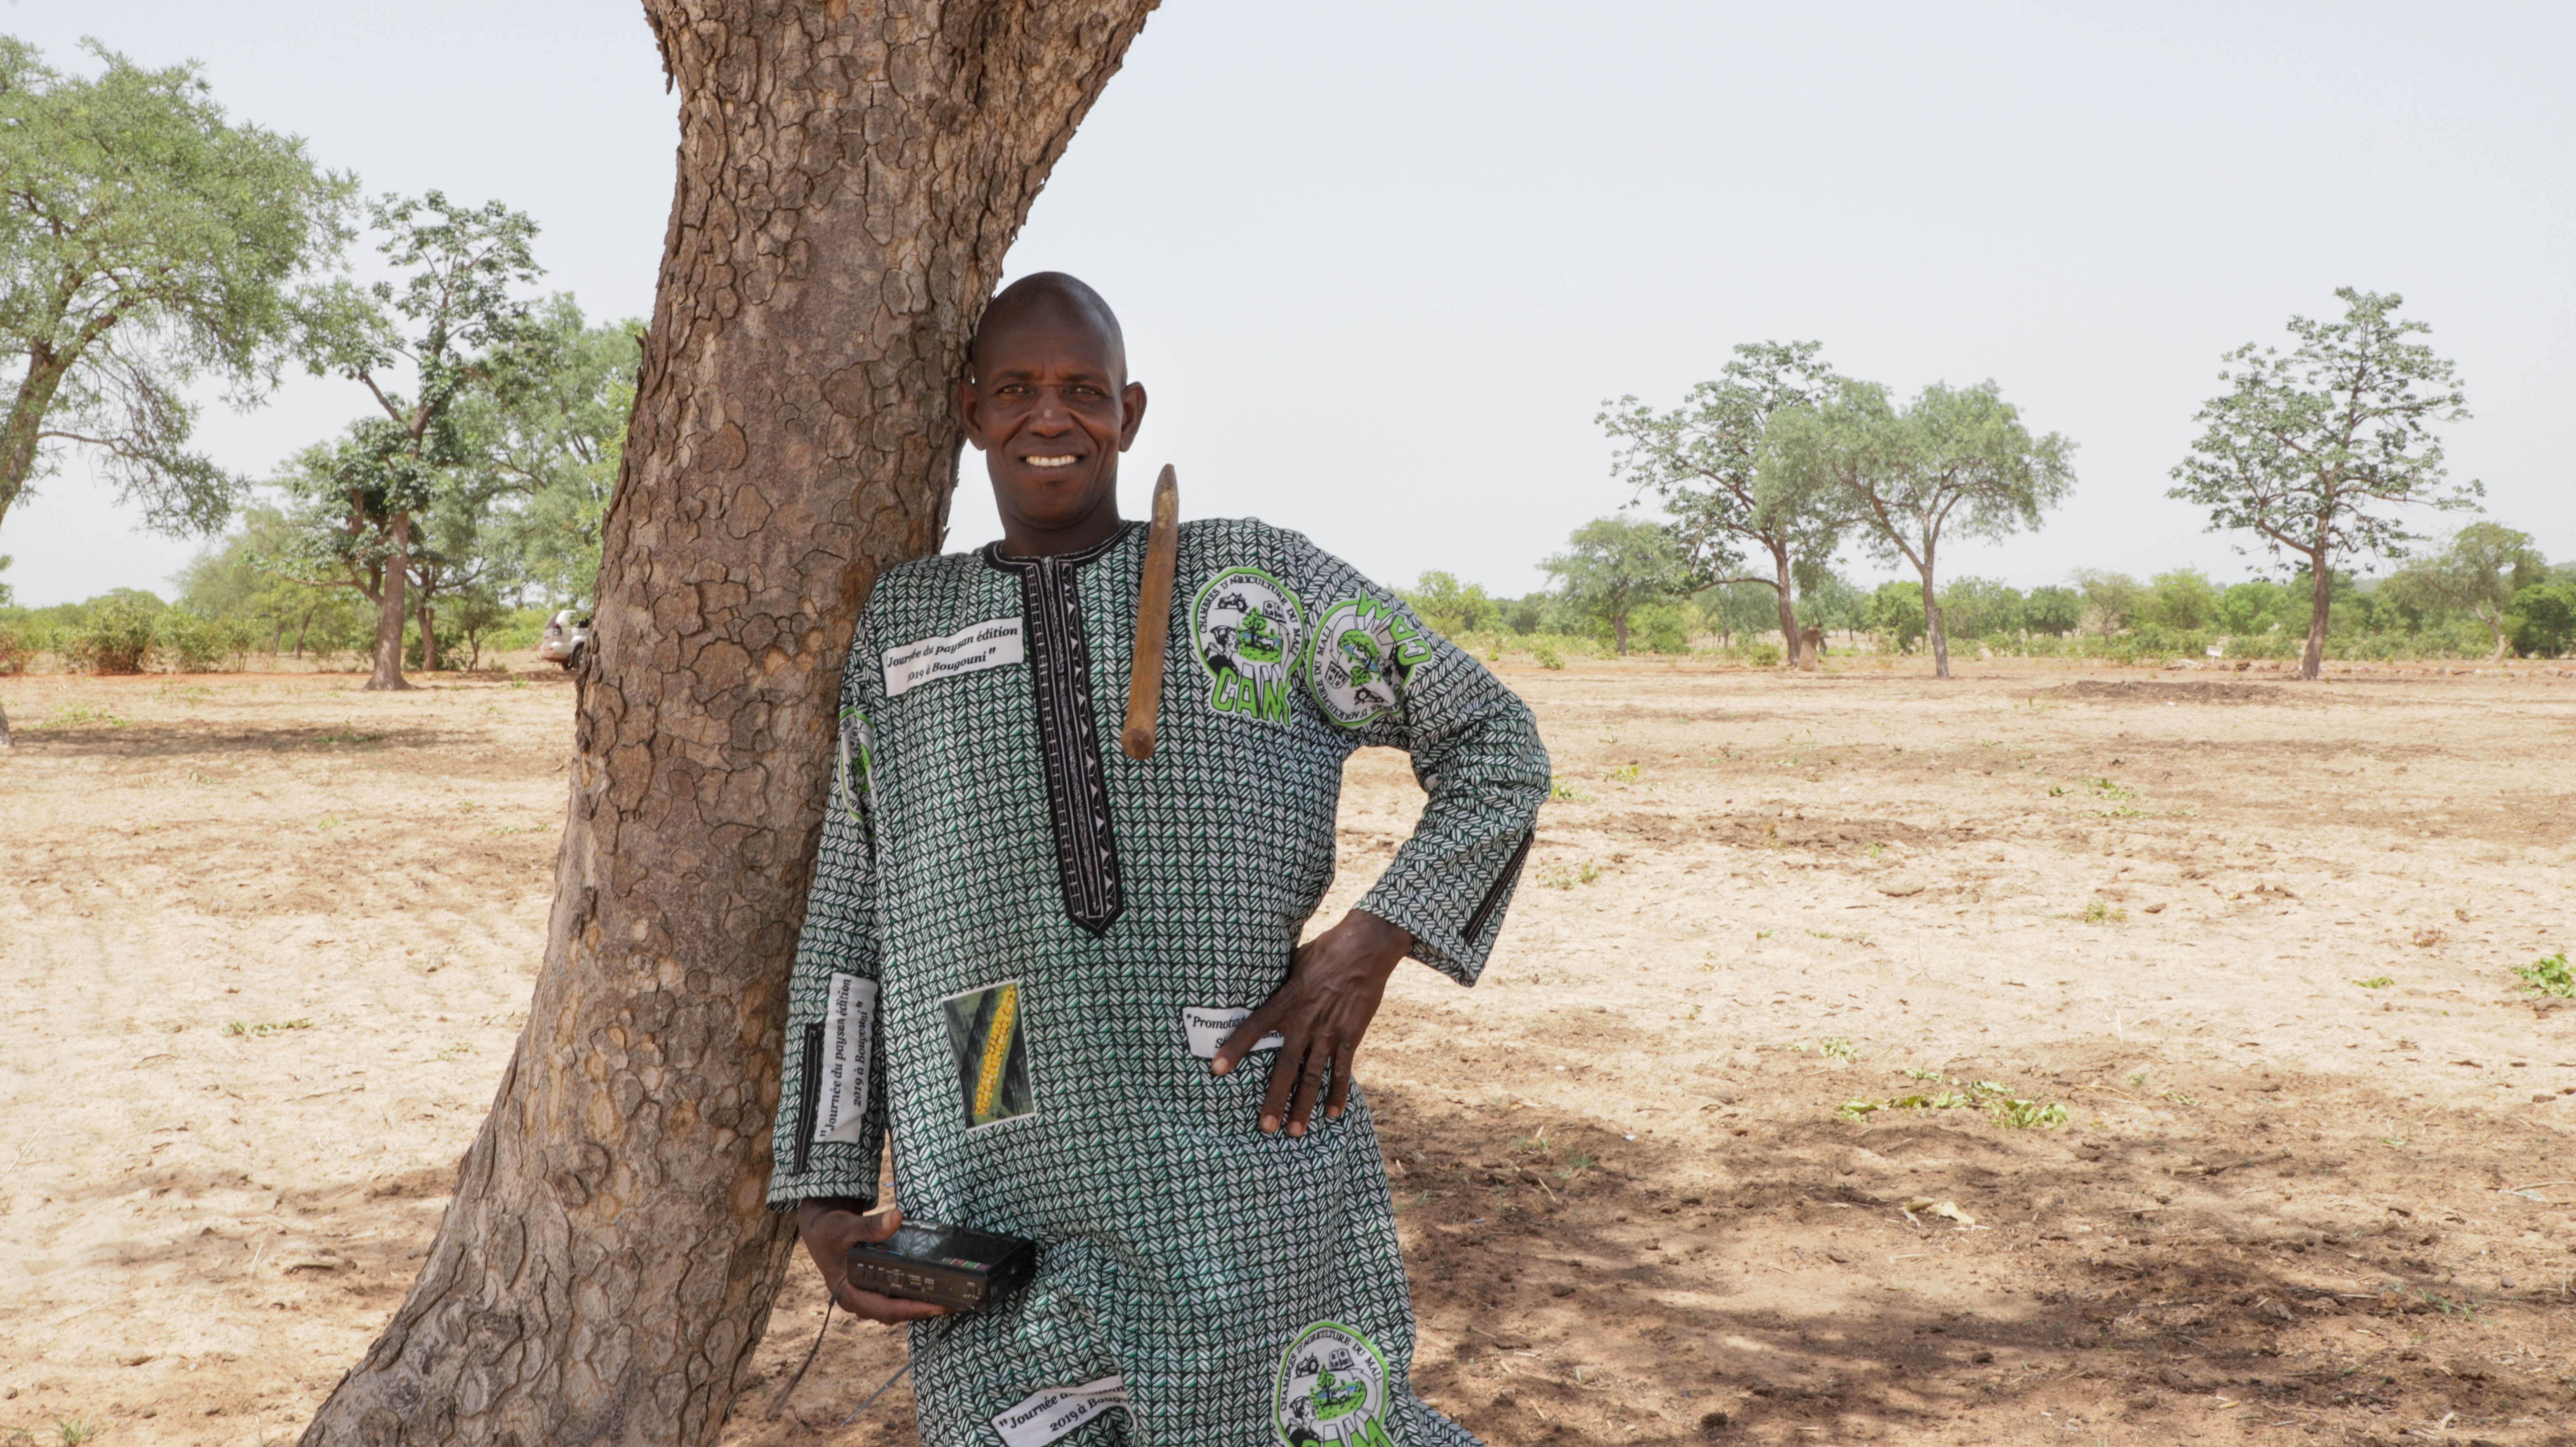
(1077, 780)
(993, 555)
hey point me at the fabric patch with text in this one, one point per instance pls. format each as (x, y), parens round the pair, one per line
(1247, 626)
(972, 649)
(1363, 652)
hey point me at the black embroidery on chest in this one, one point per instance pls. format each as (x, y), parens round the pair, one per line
(1068, 740)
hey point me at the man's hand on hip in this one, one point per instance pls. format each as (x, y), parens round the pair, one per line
(830, 1226)
(1334, 985)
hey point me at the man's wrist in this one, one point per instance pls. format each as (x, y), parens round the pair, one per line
(1388, 938)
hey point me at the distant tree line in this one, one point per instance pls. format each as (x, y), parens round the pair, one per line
(149, 243)
(2316, 453)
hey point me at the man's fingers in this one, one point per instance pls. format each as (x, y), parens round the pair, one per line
(1284, 1070)
(1310, 1083)
(876, 1226)
(1231, 1050)
(872, 1307)
(1340, 1099)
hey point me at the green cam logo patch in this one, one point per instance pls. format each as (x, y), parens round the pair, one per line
(1364, 651)
(1247, 626)
(1332, 1390)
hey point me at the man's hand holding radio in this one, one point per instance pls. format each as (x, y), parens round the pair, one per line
(830, 1226)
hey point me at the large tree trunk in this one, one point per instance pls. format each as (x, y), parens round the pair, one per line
(850, 176)
(428, 631)
(2313, 662)
(1933, 632)
(1797, 658)
(389, 611)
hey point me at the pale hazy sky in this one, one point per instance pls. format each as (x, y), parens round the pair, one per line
(1380, 264)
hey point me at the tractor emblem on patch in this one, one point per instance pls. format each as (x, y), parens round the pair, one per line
(1365, 651)
(1246, 625)
(1332, 1390)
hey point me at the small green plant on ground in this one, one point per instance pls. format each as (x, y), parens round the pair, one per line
(1568, 1163)
(74, 715)
(1838, 1048)
(252, 1031)
(2000, 1105)
(2099, 912)
(2551, 976)
(1558, 876)
(73, 1430)
(1559, 789)
(2375, 982)
(1546, 656)
(1624, 774)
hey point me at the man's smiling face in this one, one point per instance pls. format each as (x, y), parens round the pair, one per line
(1051, 408)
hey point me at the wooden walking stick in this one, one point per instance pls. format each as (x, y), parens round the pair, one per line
(1153, 618)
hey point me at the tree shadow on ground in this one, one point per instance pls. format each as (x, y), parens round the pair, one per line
(1578, 1286)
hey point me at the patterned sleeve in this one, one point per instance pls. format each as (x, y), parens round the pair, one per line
(1374, 669)
(831, 1092)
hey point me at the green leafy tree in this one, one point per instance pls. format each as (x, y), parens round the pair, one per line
(1982, 607)
(2315, 450)
(1452, 608)
(1896, 610)
(1827, 601)
(2053, 610)
(2478, 571)
(1956, 462)
(2542, 620)
(147, 243)
(2183, 600)
(1703, 461)
(457, 326)
(553, 435)
(2253, 608)
(1616, 566)
(2111, 600)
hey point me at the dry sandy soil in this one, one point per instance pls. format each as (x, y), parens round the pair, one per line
(265, 943)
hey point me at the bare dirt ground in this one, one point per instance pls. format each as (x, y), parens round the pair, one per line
(265, 944)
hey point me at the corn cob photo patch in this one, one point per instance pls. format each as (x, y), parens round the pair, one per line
(992, 1053)
(1332, 1390)
(1248, 626)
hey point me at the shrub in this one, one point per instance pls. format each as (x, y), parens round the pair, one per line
(1546, 656)
(19, 645)
(115, 637)
(1762, 655)
(1659, 628)
(188, 642)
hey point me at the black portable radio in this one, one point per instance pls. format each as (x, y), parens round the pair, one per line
(943, 1265)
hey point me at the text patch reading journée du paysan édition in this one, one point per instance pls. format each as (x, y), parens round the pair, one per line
(968, 650)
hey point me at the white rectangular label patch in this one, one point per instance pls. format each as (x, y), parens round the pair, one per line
(968, 650)
(1050, 1414)
(1208, 1026)
(849, 1039)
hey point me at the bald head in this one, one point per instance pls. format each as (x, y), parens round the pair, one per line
(1054, 301)
(1049, 405)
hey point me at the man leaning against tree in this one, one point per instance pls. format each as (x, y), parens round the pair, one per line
(1048, 960)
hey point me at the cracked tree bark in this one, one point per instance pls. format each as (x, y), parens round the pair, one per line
(850, 175)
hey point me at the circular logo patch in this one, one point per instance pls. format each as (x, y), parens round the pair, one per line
(1364, 651)
(1247, 626)
(1332, 1389)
